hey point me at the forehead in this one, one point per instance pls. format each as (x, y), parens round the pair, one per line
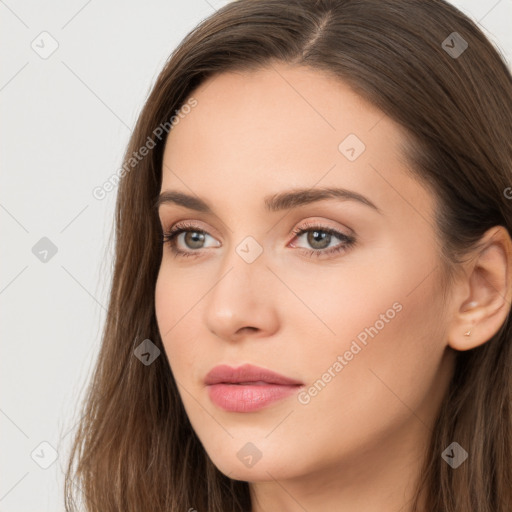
(280, 127)
(273, 105)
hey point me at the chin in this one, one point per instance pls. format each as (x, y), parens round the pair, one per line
(263, 470)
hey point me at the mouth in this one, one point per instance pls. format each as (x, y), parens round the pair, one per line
(247, 374)
(247, 388)
(249, 383)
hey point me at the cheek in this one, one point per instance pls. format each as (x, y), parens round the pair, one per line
(175, 315)
(384, 360)
(385, 299)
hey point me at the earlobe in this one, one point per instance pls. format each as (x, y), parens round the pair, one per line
(485, 292)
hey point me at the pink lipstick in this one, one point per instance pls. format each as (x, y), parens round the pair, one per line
(247, 388)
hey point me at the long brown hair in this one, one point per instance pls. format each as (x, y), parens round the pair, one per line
(135, 449)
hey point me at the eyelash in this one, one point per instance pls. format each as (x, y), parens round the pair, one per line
(347, 241)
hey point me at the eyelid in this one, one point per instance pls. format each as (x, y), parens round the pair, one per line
(195, 224)
(346, 241)
(190, 224)
(311, 224)
(184, 226)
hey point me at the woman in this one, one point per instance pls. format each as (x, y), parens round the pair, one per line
(310, 307)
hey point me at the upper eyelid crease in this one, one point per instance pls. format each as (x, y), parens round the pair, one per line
(277, 202)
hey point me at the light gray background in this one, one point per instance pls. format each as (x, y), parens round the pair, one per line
(65, 122)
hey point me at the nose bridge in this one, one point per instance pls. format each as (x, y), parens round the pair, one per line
(240, 294)
(244, 267)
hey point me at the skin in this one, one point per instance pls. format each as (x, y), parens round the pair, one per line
(358, 443)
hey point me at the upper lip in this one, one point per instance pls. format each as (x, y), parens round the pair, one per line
(246, 373)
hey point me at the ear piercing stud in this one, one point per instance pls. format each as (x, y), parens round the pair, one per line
(470, 305)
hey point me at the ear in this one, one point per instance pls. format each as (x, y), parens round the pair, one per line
(483, 296)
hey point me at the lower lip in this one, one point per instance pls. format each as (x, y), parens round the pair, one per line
(246, 397)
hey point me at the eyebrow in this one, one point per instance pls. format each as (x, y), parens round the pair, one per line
(281, 201)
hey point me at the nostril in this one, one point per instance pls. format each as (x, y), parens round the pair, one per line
(249, 328)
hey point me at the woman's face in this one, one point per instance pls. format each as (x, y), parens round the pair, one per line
(350, 309)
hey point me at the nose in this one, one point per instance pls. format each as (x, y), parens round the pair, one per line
(241, 302)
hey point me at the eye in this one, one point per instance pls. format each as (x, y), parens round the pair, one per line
(193, 238)
(319, 237)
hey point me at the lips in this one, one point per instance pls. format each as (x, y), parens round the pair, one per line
(247, 388)
(247, 374)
